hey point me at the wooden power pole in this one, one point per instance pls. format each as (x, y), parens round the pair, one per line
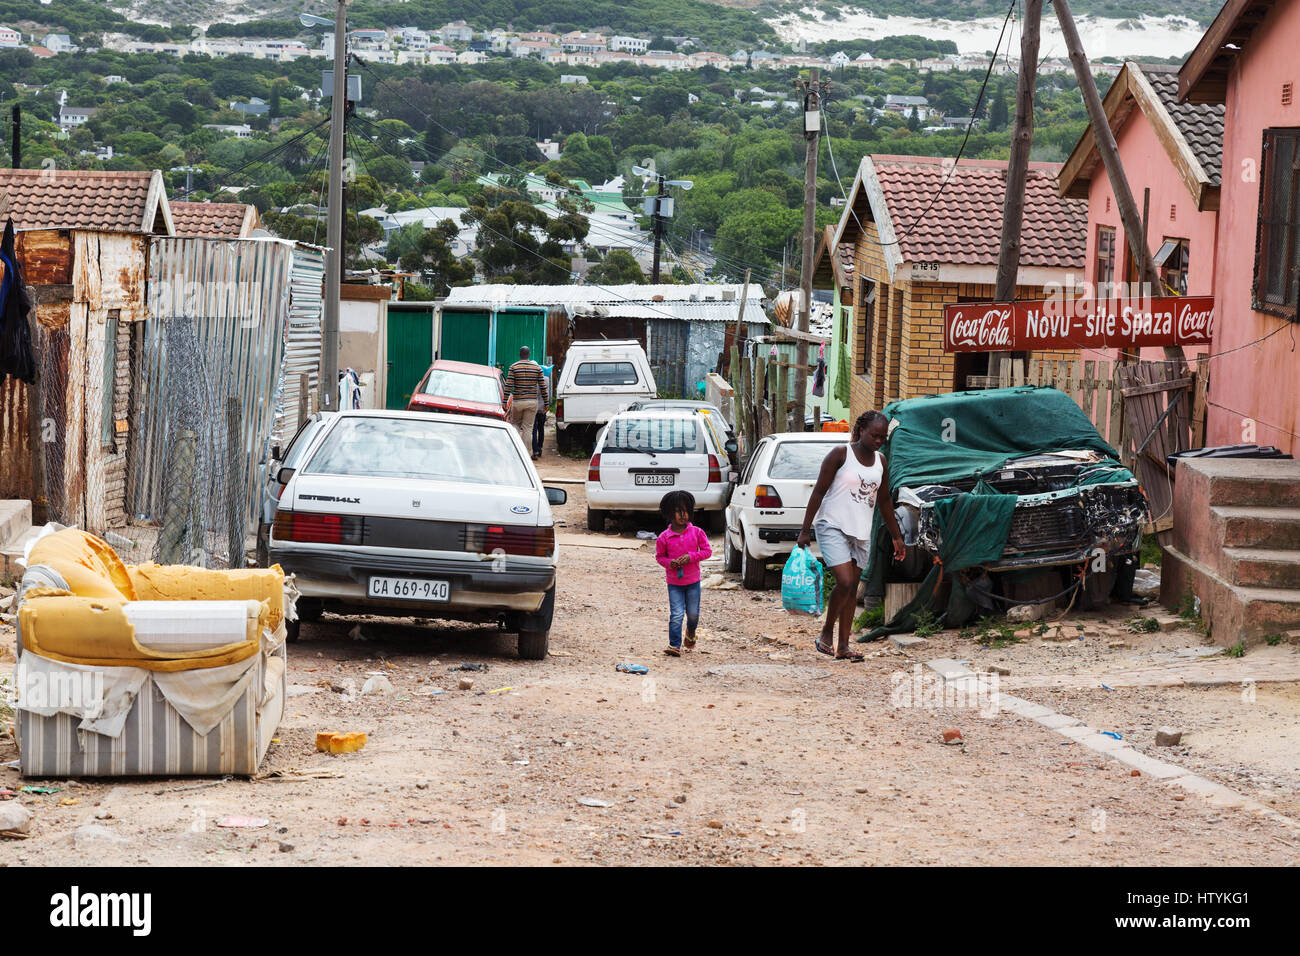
(1105, 140)
(813, 91)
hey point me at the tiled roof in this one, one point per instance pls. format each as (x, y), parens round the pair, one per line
(1200, 124)
(221, 219)
(960, 223)
(96, 200)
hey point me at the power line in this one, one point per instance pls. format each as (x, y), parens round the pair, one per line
(259, 159)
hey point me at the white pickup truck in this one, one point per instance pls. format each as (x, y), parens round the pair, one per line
(599, 379)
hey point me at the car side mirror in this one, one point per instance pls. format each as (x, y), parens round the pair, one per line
(276, 454)
(731, 446)
(283, 475)
(556, 496)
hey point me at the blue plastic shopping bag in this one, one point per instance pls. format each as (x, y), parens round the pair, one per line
(801, 583)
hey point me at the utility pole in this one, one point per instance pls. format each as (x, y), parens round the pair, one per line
(1105, 140)
(659, 229)
(1022, 138)
(329, 364)
(18, 137)
(813, 91)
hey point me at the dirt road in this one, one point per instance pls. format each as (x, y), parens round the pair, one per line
(751, 750)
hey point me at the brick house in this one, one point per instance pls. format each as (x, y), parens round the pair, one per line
(1171, 153)
(926, 234)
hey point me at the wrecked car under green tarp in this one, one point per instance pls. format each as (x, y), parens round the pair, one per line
(1003, 479)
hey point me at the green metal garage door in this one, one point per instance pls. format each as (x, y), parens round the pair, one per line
(516, 329)
(465, 337)
(410, 350)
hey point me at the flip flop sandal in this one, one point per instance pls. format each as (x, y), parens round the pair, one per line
(689, 643)
(632, 668)
(821, 650)
(851, 658)
(673, 651)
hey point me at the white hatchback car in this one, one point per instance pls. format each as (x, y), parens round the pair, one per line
(420, 514)
(767, 507)
(642, 455)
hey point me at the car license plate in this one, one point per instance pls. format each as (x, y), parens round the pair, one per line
(667, 479)
(409, 589)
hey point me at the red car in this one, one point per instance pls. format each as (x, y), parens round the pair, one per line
(461, 388)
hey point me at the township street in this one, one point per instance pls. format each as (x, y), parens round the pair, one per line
(781, 755)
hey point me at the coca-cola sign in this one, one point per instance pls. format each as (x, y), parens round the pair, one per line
(1078, 323)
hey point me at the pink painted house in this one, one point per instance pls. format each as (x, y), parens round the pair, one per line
(1246, 62)
(1171, 153)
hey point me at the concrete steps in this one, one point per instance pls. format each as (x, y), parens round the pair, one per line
(1236, 546)
(15, 521)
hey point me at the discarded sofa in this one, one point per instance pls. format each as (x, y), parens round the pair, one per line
(145, 670)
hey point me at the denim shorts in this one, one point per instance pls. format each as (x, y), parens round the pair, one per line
(838, 548)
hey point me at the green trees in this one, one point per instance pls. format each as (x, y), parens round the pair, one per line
(428, 252)
(617, 268)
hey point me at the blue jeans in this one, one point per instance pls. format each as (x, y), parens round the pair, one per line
(683, 601)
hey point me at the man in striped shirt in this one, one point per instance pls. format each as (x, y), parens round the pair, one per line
(527, 383)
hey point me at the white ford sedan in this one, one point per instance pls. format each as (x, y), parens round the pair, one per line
(420, 514)
(767, 508)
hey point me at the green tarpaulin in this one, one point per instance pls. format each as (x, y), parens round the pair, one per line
(941, 439)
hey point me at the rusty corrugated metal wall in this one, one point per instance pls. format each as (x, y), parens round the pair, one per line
(252, 308)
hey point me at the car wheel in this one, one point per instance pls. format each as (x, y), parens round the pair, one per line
(533, 644)
(310, 609)
(291, 629)
(1096, 589)
(595, 520)
(730, 556)
(753, 572)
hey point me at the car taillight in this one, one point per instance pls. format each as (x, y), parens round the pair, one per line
(510, 539)
(766, 496)
(593, 469)
(315, 528)
(559, 409)
(715, 470)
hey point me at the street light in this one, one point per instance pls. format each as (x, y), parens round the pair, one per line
(663, 208)
(329, 360)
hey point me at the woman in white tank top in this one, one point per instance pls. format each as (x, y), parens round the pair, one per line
(853, 479)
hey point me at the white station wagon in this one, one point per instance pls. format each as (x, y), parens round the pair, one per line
(640, 456)
(768, 505)
(424, 515)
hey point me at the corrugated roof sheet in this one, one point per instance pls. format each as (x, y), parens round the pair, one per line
(96, 200)
(222, 220)
(577, 296)
(685, 311)
(960, 223)
(1200, 123)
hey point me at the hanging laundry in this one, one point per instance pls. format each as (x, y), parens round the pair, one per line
(349, 389)
(16, 356)
(819, 376)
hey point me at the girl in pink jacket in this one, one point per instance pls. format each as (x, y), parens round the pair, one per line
(680, 549)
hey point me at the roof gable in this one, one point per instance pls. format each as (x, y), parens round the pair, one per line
(93, 200)
(1191, 134)
(226, 220)
(927, 209)
(1204, 74)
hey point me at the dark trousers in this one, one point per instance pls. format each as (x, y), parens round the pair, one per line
(539, 431)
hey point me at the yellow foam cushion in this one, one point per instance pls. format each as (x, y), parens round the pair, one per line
(96, 632)
(157, 582)
(90, 566)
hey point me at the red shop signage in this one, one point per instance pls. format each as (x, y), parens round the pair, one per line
(1077, 323)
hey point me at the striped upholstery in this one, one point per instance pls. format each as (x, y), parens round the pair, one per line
(157, 741)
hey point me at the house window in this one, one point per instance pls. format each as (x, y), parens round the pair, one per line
(1279, 218)
(1105, 271)
(1171, 259)
(872, 302)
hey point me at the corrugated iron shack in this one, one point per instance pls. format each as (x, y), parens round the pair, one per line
(82, 241)
(684, 329)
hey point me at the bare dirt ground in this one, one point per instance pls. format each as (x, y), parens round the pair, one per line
(754, 749)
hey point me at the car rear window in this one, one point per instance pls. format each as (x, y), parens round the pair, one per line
(655, 436)
(799, 459)
(605, 373)
(412, 448)
(461, 386)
